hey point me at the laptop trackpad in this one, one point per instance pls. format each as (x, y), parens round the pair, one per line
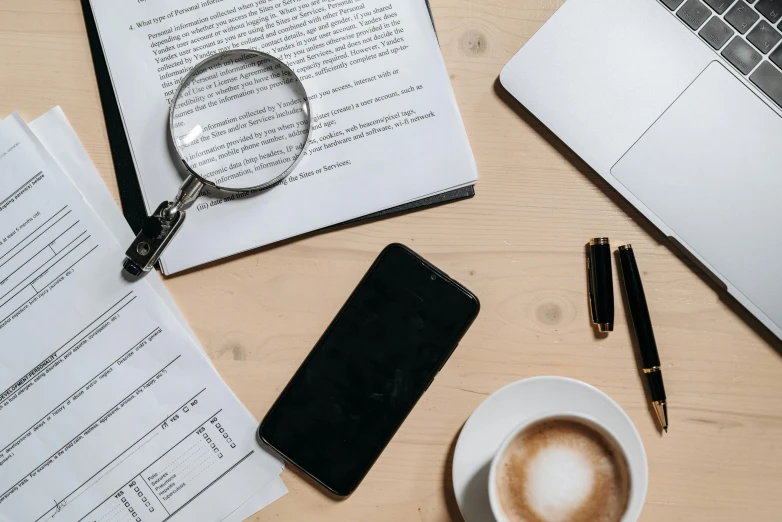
(711, 169)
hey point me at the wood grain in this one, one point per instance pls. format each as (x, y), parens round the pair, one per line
(519, 245)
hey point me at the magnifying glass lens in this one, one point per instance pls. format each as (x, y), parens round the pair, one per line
(240, 121)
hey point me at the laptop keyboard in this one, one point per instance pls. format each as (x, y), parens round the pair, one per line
(747, 33)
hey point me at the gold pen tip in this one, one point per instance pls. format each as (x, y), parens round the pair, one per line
(661, 410)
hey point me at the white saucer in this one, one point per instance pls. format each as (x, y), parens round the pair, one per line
(493, 420)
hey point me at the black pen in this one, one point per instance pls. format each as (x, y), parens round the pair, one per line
(642, 324)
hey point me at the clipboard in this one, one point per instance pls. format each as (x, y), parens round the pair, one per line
(127, 181)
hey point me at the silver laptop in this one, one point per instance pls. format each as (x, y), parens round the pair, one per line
(678, 105)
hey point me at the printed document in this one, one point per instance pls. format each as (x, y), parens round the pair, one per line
(56, 134)
(108, 409)
(386, 129)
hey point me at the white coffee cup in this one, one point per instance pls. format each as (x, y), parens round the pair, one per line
(635, 495)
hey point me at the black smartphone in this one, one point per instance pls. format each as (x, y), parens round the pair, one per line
(365, 374)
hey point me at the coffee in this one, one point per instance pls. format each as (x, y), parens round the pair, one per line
(563, 470)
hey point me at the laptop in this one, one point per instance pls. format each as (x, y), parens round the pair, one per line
(678, 105)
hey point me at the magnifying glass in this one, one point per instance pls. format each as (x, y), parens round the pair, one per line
(239, 122)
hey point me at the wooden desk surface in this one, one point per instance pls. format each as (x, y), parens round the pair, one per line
(519, 245)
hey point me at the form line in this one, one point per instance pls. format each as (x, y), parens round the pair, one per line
(58, 275)
(152, 464)
(82, 331)
(210, 485)
(90, 251)
(34, 231)
(41, 250)
(79, 388)
(129, 447)
(20, 188)
(45, 270)
(90, 424)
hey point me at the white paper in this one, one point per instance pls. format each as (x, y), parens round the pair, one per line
(108, 410)
(56, 134)
(273, 491)
(386, 128)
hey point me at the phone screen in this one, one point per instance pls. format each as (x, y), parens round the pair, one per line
(368, 370)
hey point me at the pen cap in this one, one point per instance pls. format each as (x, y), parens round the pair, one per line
(601, 287)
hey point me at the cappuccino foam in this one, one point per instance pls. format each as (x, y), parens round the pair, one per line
(562, 471)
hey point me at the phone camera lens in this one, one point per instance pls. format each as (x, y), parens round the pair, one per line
(433, 277)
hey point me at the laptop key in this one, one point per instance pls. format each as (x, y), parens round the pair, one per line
(776, 57)
(764, 37)
(741, 16)
(672, 4)
(719, 5)
(694, 13)
(771, 9)
(769, 80)
(742, 55)
(716, 33)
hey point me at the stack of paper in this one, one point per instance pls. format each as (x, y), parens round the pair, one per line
(109, 408)
(386, 129)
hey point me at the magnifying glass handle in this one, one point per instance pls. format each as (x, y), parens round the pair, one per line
(159, 229)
